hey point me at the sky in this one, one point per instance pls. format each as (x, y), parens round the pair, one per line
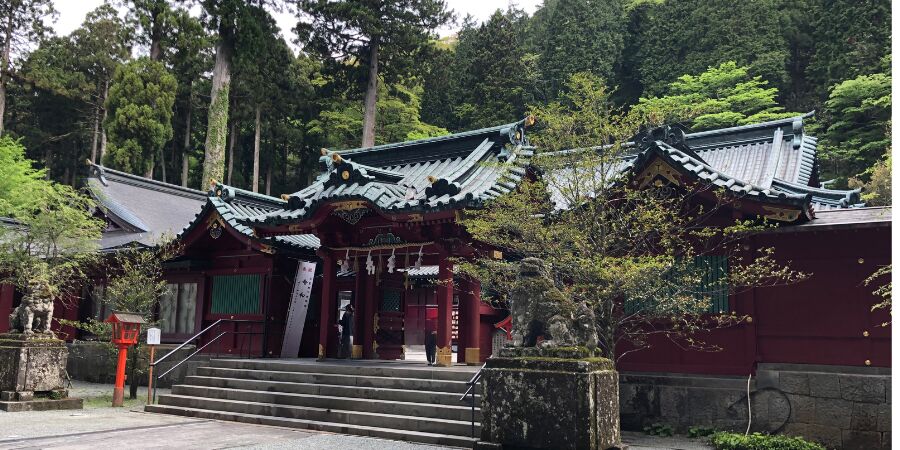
(72, 13)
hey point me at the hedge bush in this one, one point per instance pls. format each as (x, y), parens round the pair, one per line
(758, 441)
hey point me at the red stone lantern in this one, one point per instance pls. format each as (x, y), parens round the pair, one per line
(126, 327)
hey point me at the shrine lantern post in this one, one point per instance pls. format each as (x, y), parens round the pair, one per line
(126, 327)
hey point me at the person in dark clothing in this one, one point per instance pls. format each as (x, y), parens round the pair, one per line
(346, 323)
(430, 346)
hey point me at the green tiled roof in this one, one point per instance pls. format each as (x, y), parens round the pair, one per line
(454, 171)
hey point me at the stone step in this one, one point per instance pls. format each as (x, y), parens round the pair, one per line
(356, 418)
(361, 368)
(359, 430)
(425, 410)
(369, 381)
(333, 390)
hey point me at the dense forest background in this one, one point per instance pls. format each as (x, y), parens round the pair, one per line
(146, 87)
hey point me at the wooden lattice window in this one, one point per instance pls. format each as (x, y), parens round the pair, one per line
(235, 294)
(390, 300)
(713, 284)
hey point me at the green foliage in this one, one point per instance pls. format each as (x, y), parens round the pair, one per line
(678, 37)
(140, 114)
(491, 72)
(659, 429)
(339, 125)
(700, 431)
(851, 37)
(582, 36)
(55, 233)
(856, 126)
(882, 279)
(757, 441)
(604, 240)
(723, 96)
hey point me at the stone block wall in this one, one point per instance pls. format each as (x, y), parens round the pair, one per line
(95, 362)
(842, 407)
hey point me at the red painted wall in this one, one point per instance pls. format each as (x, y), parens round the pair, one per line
(6, 305)
(821, 320)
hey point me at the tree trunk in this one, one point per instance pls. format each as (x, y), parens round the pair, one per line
(149, 172)
(186, 150)
(96, 134)
(162, 165)
(217, 125)
(132, 373)
(156, 30)
(232, 137)
(256, 151)
(102, 127)
(368, 136)
(4, 66)
(269, 180)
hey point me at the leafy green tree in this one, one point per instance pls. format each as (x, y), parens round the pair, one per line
(140, 121)
(23, 24)
(851, 37)
(676, 37)
(877, 190)
(856, 126)
(152, 20)
(723, 96)
(582, 36)
(492, 72)
(635, 257)
(58, 234)
(379, 39)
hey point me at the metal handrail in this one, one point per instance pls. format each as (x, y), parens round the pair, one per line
(154, 363)
(471, 393)
(215, 339)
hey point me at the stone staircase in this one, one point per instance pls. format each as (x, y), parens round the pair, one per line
(384, 399)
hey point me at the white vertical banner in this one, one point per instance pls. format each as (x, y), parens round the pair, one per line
(296, 317)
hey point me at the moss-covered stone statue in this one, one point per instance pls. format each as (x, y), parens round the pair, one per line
(35, 313)
(550, 388)
(542, 313)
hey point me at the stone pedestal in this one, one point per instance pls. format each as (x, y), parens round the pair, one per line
(32, 373)
(549, 398)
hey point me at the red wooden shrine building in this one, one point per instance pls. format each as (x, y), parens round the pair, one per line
(382, 223)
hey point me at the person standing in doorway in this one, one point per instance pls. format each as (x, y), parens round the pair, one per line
(430, 346)
(346, 323)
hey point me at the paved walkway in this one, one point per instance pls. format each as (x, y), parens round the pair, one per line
(99, 426)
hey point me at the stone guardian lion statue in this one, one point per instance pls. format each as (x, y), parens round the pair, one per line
(35, 312)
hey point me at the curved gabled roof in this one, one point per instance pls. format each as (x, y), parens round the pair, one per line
(455, 171)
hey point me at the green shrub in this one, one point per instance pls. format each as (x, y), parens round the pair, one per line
(695, 432)
(758, 441)
(659, 429)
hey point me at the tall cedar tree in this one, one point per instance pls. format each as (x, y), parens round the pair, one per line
(678, 37)
(380, 39)
(221, 16)
(21, 23)
(140, 115)
(152, 19)
(102, 43)
(851, 37)
(584, 36)
(188, 50)
(491, 71)
(261, 61)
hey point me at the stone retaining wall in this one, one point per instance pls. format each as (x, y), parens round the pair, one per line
(842, 407)
(95, 362)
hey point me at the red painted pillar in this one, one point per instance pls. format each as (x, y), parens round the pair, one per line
(371, 311)
(472, 305)
(445, 311)
(6, 304)
(119, 389)
(327, 320)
